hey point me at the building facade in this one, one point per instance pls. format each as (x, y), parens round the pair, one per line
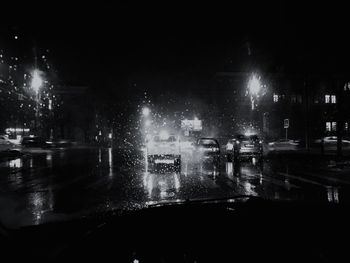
(315, 106)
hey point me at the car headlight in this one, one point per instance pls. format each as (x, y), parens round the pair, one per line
(229, 146)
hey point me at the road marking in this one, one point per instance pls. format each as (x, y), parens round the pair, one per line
(303, 179)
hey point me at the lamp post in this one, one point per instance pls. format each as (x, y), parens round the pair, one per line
(254, 88)
(36, 85)
(146, 121)
(146, 111)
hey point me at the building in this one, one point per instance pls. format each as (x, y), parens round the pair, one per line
(315, 105)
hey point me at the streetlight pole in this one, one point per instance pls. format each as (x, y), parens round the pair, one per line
(254, 89)
(36, 85)
(146, 121)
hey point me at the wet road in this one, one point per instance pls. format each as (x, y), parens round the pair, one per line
(46, 185)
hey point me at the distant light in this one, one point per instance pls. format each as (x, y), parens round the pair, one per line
(229, 146)
(249, 133)
(146, 111)
(8, 130)
(16, 37)
(148, 123)
(36, 81)
(254, 85)
(100, 133)
(110, 135)
(50, 104)
(164, 135)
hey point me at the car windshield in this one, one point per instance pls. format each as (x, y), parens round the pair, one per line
(97, 119)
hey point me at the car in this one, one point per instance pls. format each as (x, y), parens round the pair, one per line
(208, 150)
(330, 142)
(33, 141)
(283, 145)
(5, 144)
(164, 149)
(244, 146)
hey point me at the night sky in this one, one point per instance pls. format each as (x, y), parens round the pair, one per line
(110, 52)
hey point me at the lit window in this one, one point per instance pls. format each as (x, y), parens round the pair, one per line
(333, 99)
(347, 86)
(334, 126)
(275, 98)
(328, 126)
(327, 98)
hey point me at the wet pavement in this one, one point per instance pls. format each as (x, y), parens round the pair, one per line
(58, 184)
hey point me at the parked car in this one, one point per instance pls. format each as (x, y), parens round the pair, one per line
(244, 146)
(283, 145)
(330, 142)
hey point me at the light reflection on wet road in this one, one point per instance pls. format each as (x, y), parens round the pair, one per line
(52, 184)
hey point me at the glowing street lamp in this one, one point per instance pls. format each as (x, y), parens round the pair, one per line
(36, 81)
(148, 123)
(254, 88)
(36, 84)
(146, 111)
(254, 85)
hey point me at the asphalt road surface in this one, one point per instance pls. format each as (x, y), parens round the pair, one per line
(58, 184)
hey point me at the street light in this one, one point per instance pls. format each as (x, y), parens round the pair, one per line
(148, 123)
(146, 111)
(36, 81)
(254, 88)
(36, 85)
(254, 85)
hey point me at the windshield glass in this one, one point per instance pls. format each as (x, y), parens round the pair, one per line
(94, 119)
